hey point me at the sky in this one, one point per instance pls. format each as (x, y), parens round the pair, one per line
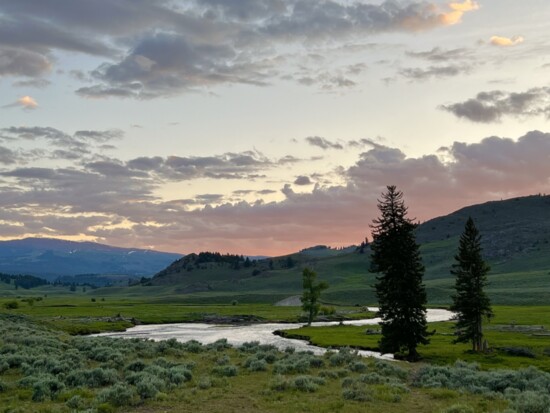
(262, 127)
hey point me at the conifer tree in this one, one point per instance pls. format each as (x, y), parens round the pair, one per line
(399, 288)
(471, 303)
(311, 294)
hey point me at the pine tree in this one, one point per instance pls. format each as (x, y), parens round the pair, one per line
(401, 294)
(311, 294)
(470, 302)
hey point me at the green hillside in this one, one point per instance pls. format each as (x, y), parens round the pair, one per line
(516, 235)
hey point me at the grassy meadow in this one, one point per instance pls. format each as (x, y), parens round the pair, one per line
(43, 370)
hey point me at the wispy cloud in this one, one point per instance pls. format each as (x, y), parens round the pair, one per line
(24, 102)
(323, 143)
(506, 41)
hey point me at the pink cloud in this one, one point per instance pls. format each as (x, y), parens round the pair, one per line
(492, 169)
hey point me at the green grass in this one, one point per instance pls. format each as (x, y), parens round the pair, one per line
(206, 391)
(512, 326)
(78, 314)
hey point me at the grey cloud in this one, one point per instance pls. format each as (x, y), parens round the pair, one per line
(489, 107)
(434, 72)
(99, 136)
(20, 62)
(439, 55)
(243, 165)
(7, 156)
(68, 147)
(288, 159)
(209, 198)
(163, 48)
(302, 181)
(37, 83)
(32, 33)
(323, 143)
(167, 63)
(113, 168)
(365, 142)
(267, 192)
(145, 163)
(314, 20)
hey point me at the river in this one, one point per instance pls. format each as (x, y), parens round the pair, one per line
(263, 332)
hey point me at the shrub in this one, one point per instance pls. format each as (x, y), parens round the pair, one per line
(219, 345)
(11, 305)
(344, 356)
(136, 366)
(307, 384)
(373, 378)
(178, 375)
(205, 383)
(250, 347)
(531, 402)
(75, 402)
(148, 386)
(46, 387)
(390, 369)
(117, 395)
(459, 408)
(97, 377)
(519, 351)
(328, 374)
(355, 391)
(4, 366)
(226, 371)
(256, 365)
(278, 383)
(193, 346)
(358, 366)
(223, 361)
(3, 386)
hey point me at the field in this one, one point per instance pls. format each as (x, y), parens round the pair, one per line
(518, 337)
(93, 374)
(108, 375)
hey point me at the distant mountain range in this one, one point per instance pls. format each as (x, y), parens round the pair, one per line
(516, 242)
(53, 258)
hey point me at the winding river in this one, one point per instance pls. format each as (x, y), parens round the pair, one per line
(239, 334)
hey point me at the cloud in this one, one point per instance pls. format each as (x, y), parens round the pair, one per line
(434, 72)
(101, 200)
(61, 145)
(303, 181)
(439, 55)
(19, 62)
(162, 48)
(506, 41)
(25, 102)
(491, 106)
(323, 143)
(37, 83)
(458, 10)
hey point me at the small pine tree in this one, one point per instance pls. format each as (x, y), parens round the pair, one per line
(401, 294)
(311, 294)
(470, 302)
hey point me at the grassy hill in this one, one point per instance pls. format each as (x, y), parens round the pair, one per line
(516, 235)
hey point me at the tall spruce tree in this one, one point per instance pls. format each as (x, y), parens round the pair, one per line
(470, 302)
(399, 288)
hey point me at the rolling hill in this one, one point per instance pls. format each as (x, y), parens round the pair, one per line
(52, 258)
(516, 240)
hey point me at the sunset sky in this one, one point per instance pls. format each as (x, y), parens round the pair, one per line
(264, 127)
